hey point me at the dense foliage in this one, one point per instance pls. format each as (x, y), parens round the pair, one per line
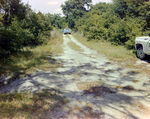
(118, 22)
(11, 9)
(74, 9)
(20, 26)
(57, 21)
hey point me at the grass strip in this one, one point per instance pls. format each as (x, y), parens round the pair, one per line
(118, 54)
(74, 46)
(112, 52)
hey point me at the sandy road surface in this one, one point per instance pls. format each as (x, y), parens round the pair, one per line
(95, 87)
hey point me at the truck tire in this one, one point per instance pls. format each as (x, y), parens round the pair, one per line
(140, 54)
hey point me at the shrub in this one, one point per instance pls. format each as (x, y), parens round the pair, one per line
(39, 27)
(32, 31)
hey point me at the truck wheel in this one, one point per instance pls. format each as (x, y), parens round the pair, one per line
(140, 54)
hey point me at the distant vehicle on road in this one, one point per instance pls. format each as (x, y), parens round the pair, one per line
(67, 31)
(142, 45)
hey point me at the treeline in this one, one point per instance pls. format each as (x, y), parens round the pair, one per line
(57, 20)
(20, 26)
(118, 22)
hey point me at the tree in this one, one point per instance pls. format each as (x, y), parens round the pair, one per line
(11, 9)
(73, 9)
(128, 7)
(39, 27)
(118, 22)
(56, 20)
(133, 8)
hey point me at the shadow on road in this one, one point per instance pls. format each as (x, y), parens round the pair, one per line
(111, 95)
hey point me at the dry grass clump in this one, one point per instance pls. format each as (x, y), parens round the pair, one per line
(88, 85)
(97, 88)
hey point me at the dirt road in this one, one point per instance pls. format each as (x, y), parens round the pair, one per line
(95, 87)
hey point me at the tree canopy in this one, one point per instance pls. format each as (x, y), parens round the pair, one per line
(118, 22)
(57, 21)
(11, 9)
(74, 9)
(20, 26)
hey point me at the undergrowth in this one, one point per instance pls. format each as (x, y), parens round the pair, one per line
(30, 60)
(28, 104)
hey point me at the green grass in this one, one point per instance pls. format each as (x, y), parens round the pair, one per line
(112, 52)
(117, 54)
(31, 105)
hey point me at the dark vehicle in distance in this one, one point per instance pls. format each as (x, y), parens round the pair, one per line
(67, 31)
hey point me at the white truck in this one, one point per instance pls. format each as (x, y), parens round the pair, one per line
(142, 45)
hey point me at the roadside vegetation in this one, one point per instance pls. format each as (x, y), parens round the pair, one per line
(21, 27)
(23, 63)
(110, 28)
(118, 22)
(28, 42)
(27, 39)
(114, 53)
(118, 54)
(30, 60)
